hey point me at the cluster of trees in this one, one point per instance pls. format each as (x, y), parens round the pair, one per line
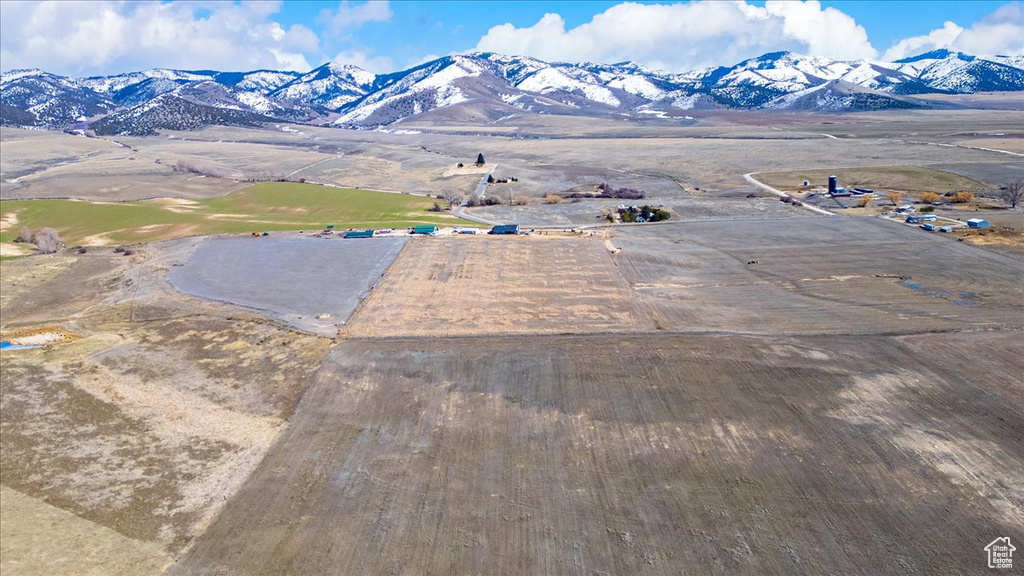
(622, 193)
(46, 240)
(488, 201)
(643, 214)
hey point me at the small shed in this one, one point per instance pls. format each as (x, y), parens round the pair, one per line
(428, 229)
(978, 223)
(505, 229)
(912, 220)
(928, 227)
(945, 229)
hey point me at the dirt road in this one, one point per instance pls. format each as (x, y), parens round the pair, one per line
(749, 177)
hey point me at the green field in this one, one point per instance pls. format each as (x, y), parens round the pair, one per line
(260, 207)
(878, 178)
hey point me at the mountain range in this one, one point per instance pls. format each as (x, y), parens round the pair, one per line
(486, 87)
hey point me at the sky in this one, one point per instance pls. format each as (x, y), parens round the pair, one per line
(86, 38)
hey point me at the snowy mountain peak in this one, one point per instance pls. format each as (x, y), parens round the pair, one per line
(485, 85)
(940, 54)
(12, 75)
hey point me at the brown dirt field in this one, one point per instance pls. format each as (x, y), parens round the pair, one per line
(817, 276)
(646, 454)
(461, 286)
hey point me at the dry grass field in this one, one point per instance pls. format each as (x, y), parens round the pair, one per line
(878, 178)
(462, 286)
(547, 154)
(119, 447)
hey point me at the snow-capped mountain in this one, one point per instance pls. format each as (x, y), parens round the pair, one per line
(963, 73)
(50, 99)
(487, 86)
(330, 86)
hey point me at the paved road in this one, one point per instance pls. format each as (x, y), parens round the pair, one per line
(749, 177)
(480, 190)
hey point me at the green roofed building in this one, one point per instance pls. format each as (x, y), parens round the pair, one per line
(428, 229)
(505, 229)
(359, 233)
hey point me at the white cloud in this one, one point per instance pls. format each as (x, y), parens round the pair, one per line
(684, 36)
(829, 32)
(938, 38)
(1001, 32)
(349, 15)
(82, 38)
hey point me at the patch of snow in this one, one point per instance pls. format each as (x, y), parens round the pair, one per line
(552, 80)
(639, 86)
(686, 102)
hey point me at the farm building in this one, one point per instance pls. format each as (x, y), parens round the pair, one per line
(505, 229)
(978, 223)
(428, 229)
(945, 229)
(368, 233)
(928, 227)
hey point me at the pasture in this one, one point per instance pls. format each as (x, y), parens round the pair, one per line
(260, 207)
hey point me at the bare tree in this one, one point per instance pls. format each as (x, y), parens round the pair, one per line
(895, 198)
(47, 240)
(451, 196)
(24, 235)
(1013, 193)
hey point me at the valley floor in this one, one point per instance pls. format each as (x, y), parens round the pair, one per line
(749, 399)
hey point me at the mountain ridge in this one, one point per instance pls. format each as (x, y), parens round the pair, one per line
(493, 85)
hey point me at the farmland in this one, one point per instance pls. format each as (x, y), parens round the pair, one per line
(266, 206)
(568, 455)
(748, 388)
(459, 286)
(817, 276)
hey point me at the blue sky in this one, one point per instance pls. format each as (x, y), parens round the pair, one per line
(444, 26)
(102, 37)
